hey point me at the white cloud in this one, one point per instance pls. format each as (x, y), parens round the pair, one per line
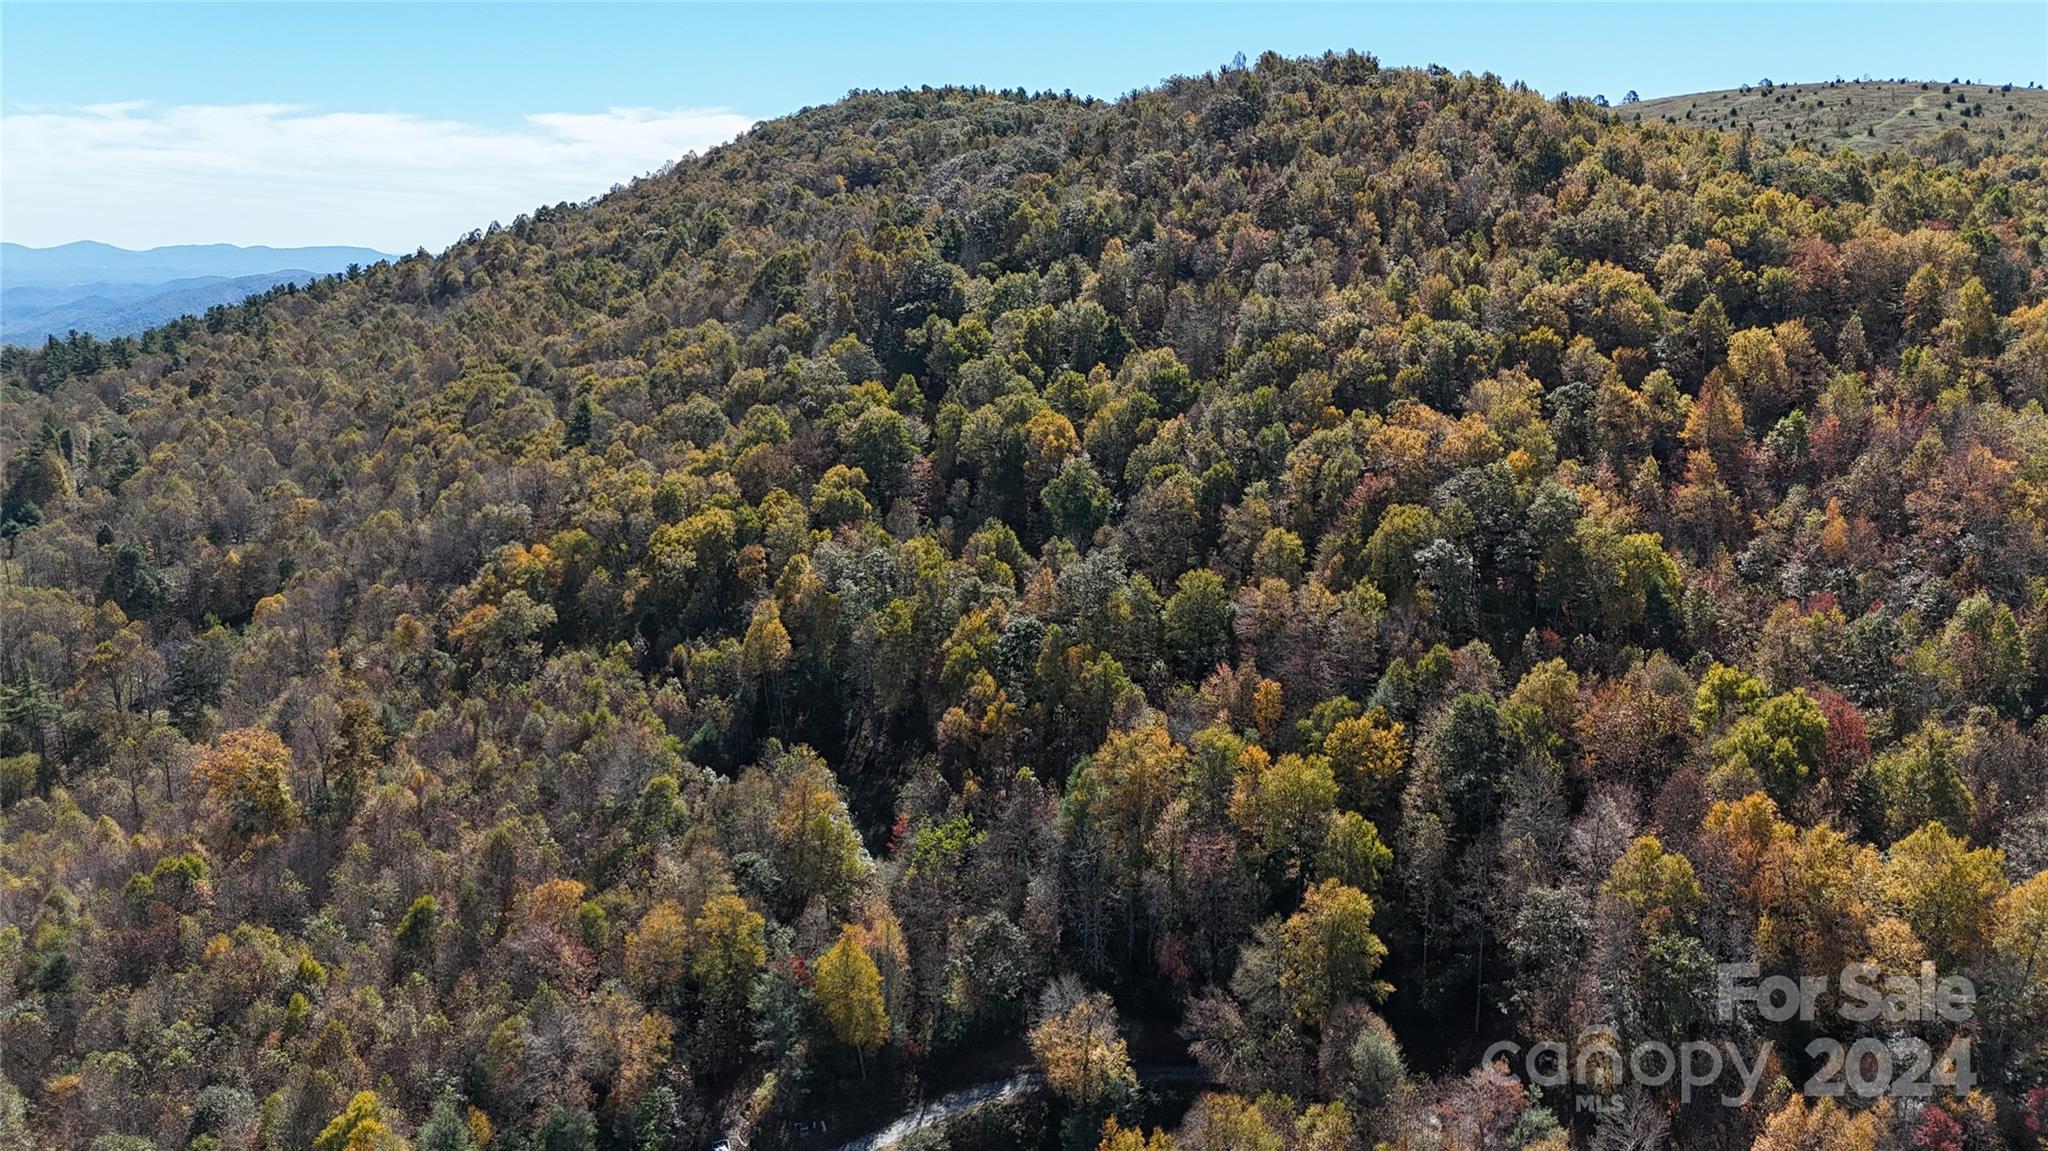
(138, 176)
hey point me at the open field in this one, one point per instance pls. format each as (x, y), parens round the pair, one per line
(1867, 115)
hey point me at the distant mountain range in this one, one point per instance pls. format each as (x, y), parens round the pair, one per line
(109, 291)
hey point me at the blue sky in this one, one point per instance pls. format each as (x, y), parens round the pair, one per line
(405, 125)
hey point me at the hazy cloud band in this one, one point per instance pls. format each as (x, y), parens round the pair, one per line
(138, 176)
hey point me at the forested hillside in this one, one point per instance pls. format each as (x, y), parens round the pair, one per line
(1335, 566)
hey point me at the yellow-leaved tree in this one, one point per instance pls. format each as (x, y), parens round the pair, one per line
(849, 988)
(247, 773)
(1116, 1137)
(1079, 1046)
(1328, 951)
(657, 949)
(361, 1126)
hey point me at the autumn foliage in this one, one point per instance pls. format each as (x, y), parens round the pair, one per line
(1230, 601)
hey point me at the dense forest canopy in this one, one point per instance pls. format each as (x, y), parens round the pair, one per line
(1310, 569)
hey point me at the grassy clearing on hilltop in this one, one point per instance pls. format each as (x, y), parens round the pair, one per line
(1867, 115)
